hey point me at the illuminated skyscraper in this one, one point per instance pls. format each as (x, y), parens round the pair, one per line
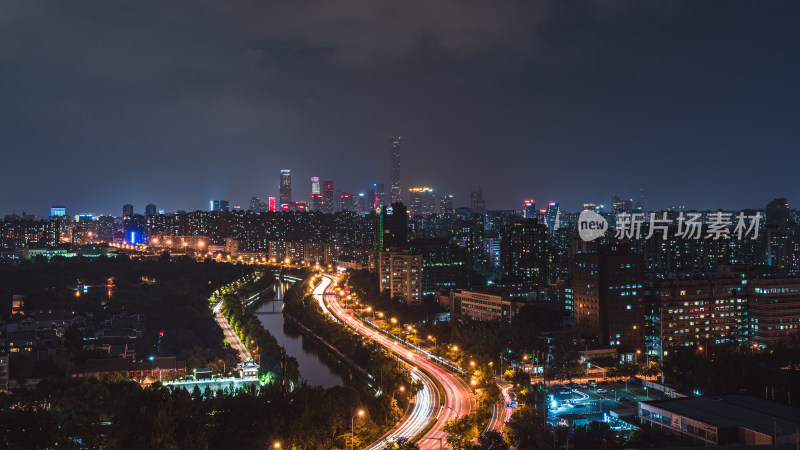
(553, 216)
(524, 253)
(609, 298)
(150, 210)
(316, 195)
(220, 205)
(327, 197)
(394, 188)
(127, 211)
(446, 204)
(286, 187)
(60, 211)
(530, 210)
(423, 201)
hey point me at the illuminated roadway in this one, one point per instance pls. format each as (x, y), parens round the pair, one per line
(458, 397)
(230, 335)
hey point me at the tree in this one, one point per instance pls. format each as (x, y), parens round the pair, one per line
(461, 431)
(525, 430)
(491, 439)
(566, 357)
(401, 444)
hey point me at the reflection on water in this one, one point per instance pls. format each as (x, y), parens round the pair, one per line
(316, 366)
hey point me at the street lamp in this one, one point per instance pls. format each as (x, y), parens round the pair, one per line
(360, 413)
(401, 389)
(276, 445)
(431, 338)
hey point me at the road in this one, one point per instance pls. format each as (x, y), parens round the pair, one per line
(458, 396)
(501, 413)
(230, 335)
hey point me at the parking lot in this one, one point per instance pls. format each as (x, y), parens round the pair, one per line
(570, 401)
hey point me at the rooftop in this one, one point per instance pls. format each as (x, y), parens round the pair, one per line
(735, 411)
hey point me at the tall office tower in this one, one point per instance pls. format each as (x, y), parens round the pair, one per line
(316, 202)
(370, 199)
(150, 210)
(423, 201)
(363, 203)
(286, 187)
(316, 195)
(328, 205)
(609, 298)
(530, 210)
(346, 201)
(273, 204)
(256, 205)
(220, 205)
(394, 188)
(60, 211)
(619, 205)
(393, 227)
(553, 216)
(524, 253)
(315, 185)
(380, 195)
(127, 211)
(446, 204)
(476, 201)
(777, 212)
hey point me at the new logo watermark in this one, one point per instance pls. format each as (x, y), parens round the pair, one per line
(591, 225)
(717, 225)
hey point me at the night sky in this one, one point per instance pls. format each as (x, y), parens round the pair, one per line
(175, 103)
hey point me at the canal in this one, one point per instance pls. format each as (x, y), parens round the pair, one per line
(316, 366)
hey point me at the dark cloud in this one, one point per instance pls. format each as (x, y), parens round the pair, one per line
(174, 103)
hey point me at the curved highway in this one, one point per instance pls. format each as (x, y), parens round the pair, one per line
(458, 397)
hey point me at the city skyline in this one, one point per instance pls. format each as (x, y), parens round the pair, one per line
(553, 101)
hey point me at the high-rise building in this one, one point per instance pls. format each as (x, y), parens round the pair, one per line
(127, 211)
(150, 210)
(444, 265)
(286, 187)
(777, 212)
(609, 297)
(328, 205)
(220, 205)
(273, 204)
(60, 211)
(524, 253)
(380, 195)
(316, 195)
(394, 188)
(422, 201)
(346, 201)
(446, 204)
(256, 205)
(530, 210)
(400, 273)
(476, 201)
(553, 216)
(619, 205)
(393, 227)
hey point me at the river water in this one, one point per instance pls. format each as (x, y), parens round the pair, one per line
(316, 366)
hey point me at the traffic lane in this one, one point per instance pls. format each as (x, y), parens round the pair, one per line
(458, 400)
(427, 400)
